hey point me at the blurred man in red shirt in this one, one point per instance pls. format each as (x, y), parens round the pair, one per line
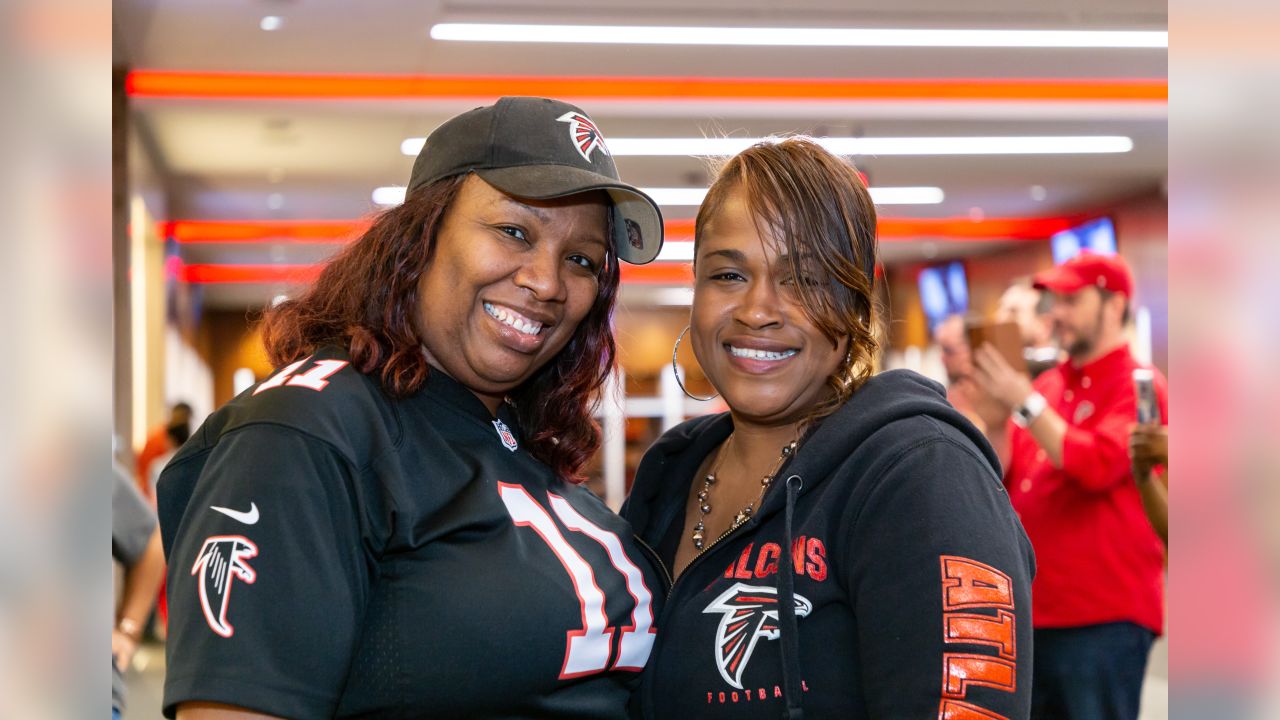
(162, 442)
(1097, 598)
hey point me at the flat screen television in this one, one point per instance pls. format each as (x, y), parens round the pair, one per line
(944, 290)
(1097, 236)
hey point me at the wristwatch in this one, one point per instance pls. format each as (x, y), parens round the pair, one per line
(1029, 410)
(131, 628)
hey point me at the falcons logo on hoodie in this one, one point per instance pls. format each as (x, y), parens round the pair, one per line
(585, 135)
(748, 614)
(220, 561)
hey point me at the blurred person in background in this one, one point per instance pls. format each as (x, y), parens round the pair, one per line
(1149, 454)
(1098, 594)
(391, 525)
(962, 392)
(837, 537)
(160, 446)
(1029, 308)
(957, 363)
(135, 545)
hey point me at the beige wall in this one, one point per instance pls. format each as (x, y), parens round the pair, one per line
(1142, 229)
(229, 339)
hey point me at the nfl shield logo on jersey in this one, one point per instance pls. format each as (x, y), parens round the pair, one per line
(505, 435)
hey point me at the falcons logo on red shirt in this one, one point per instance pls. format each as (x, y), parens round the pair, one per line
(585, 135)
(748, 614)
(222, 559)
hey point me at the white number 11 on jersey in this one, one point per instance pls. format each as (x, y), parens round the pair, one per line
(588, 650)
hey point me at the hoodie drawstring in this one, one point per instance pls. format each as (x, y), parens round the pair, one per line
(792, 690)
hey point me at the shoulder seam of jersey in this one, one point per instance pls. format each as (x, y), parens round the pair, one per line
(275, 423)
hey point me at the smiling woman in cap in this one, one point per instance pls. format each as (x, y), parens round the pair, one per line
(391, 523)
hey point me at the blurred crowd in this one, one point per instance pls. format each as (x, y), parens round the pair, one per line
(1080, 426)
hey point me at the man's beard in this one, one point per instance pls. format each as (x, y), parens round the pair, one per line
(1082, 347)
(1086, 342)
(179, 433)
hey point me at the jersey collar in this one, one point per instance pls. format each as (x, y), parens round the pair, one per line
(444, 388)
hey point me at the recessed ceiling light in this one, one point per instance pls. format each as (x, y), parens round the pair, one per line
(811, 37)
(671, 197)
(412, 146)
(271, 23)
(676, 196)
(389, 195)
(885, 145)
(676, 252)
(1038, 193)
(923, 195)
(880, 195)
(998, 145)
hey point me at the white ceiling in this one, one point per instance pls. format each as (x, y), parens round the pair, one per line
(224, 159)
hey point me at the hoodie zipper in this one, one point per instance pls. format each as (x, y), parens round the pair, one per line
(653, 555)
(706, 550)
(646, 687)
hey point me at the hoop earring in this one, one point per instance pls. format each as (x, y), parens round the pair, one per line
(844, 375)
(675, 351)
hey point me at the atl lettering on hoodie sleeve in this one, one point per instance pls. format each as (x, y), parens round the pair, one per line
(941, 589)
(266, 578)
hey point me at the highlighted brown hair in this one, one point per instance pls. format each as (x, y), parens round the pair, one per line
(819, 208)
(366, 300)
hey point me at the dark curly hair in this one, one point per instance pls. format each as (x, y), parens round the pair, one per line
(366, 299)
(818, 206)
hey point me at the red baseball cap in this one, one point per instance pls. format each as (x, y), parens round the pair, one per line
(1108, 272)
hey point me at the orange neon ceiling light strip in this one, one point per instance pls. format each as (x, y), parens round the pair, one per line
(207, 274)
(663, 273)
(215, 274)
(341, 231)
(901, 229)
(208, 85)
(658, 273)
(310, 231)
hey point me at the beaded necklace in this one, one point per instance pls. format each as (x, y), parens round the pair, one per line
(704, 504)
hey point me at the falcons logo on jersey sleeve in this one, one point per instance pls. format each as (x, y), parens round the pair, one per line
(748, 614)
(221, 560)
(585, 135)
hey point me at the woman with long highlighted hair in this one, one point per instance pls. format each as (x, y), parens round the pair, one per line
(841, 543)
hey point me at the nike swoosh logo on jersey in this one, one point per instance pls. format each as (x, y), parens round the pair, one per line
(248, 518)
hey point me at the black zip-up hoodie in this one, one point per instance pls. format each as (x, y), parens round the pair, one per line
(906, 592)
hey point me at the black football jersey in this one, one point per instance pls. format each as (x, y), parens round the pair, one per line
(336, 553)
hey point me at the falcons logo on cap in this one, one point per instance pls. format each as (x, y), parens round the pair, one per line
(221, 560)
(585, 135)
(748, 614)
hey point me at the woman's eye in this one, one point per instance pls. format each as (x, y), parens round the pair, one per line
(515, 232)
(586, 262)
(727, 275)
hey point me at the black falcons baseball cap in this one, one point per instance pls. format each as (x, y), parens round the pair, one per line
(539, 148)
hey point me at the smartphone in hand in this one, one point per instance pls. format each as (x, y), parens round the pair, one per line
(1004, 337)
(1144, 384)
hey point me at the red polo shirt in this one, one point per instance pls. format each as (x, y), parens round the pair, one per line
(1097, 558)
